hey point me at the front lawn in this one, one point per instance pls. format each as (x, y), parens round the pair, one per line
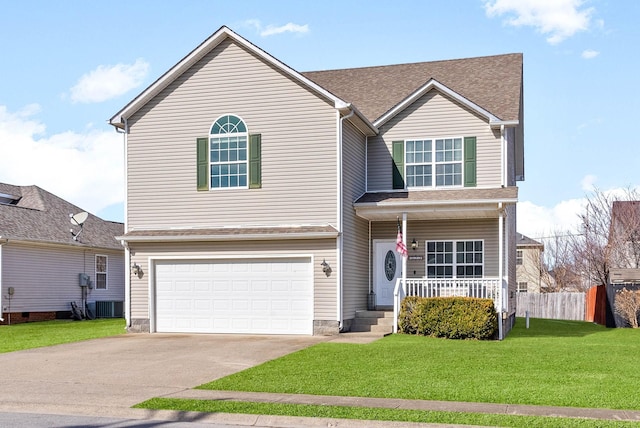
(38, 334)
(557, 363)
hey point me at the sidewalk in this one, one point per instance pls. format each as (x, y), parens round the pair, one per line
(448, 406)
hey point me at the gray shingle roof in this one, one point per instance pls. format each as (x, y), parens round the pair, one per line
(40, 216)
(492, 82)
(497, 194)
(525, 241)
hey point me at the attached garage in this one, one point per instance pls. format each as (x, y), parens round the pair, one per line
(250, 296)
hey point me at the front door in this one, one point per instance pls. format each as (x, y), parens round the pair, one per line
(387, 269)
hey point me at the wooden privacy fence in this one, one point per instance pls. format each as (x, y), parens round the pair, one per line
(559, 306)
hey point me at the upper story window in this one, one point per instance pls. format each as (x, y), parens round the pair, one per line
(228, 152)
(518, 257)
(434, 162)
(430, 163)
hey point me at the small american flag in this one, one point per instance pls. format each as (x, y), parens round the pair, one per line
(400, 247)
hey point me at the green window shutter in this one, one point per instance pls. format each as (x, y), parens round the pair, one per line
(203, 163)
(255, 161)
(469, 161)
(398, 164)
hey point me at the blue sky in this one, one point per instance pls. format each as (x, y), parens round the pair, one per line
(67, 66)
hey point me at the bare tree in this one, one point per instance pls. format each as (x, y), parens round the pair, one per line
(562, 272)
(627, 305)
(610, 235)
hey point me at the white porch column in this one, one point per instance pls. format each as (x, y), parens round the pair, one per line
(404, 259)
(500, 267)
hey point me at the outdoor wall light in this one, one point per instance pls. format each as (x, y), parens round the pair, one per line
(325, 267)
(136, 270)
(414, 244)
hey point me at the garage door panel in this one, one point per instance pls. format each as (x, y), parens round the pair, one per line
(251, 296)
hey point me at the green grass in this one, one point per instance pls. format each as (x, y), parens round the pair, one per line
(379, 414)
(38, 334)
(557, 363)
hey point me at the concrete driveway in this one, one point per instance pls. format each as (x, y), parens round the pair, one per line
(107, 376)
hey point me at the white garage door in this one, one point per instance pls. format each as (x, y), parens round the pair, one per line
(267, 296)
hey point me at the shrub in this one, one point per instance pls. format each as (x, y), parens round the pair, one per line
(627, 305)
(449, 317)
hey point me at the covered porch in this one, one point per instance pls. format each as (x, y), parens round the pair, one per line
(456, 241)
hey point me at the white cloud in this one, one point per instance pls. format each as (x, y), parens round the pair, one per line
(589, 54)
(538, 221)
(271, 30)
(107, 82)
(588, 183)
(86, 169)
(559, 19)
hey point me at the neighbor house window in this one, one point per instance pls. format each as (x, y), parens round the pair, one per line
(522, 287)
(101, 273)
(519, 257)
(228, 158)
(455, 259)
(434, 162)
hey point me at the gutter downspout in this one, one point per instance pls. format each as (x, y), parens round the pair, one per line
(340, 200)
(2, 242)
(127, 251)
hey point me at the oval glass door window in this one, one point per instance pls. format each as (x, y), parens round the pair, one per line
(390, 265)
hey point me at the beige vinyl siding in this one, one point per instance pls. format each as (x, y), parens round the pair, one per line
(511, 156)
(45, 278)
(325, 288)
(444, 230)
(435, 116)
(355, 229)
(298, 132)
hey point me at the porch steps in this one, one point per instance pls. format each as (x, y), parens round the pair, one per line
(380, 322)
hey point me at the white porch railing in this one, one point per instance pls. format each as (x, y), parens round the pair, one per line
(485, 288)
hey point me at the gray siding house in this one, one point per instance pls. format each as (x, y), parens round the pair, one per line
(265, 200)
(41, 262)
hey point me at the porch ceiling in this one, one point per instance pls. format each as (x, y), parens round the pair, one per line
(435, 204)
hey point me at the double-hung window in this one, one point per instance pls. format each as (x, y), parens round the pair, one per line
(101, 272)
(434, 163)
(455, 259)
(228, 153)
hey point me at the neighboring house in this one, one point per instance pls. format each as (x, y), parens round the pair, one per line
(41, 262)
(265, 200)
(530, 271)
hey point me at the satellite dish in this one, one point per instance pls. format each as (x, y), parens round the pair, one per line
(78, 219)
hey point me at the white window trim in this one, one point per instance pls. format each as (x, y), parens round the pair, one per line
(106, 272)
(246, 161)
(519, 257)
(453, 265)
(433, 163)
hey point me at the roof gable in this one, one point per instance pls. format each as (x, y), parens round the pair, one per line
(40, 216)
(203, 49)
(492, 84)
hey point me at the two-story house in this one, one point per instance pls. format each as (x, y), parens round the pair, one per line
(531, 274)
(260, 199)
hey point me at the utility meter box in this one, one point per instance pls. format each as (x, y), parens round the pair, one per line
(84, 280)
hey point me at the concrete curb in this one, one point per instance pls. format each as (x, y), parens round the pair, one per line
(393, 403)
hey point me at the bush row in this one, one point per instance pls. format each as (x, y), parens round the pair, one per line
(449, 317)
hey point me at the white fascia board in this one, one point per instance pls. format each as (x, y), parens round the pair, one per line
(433, 84)
(199, 52)
(235, 237)
(470, 202)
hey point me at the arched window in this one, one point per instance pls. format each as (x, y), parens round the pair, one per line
(228, 154)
